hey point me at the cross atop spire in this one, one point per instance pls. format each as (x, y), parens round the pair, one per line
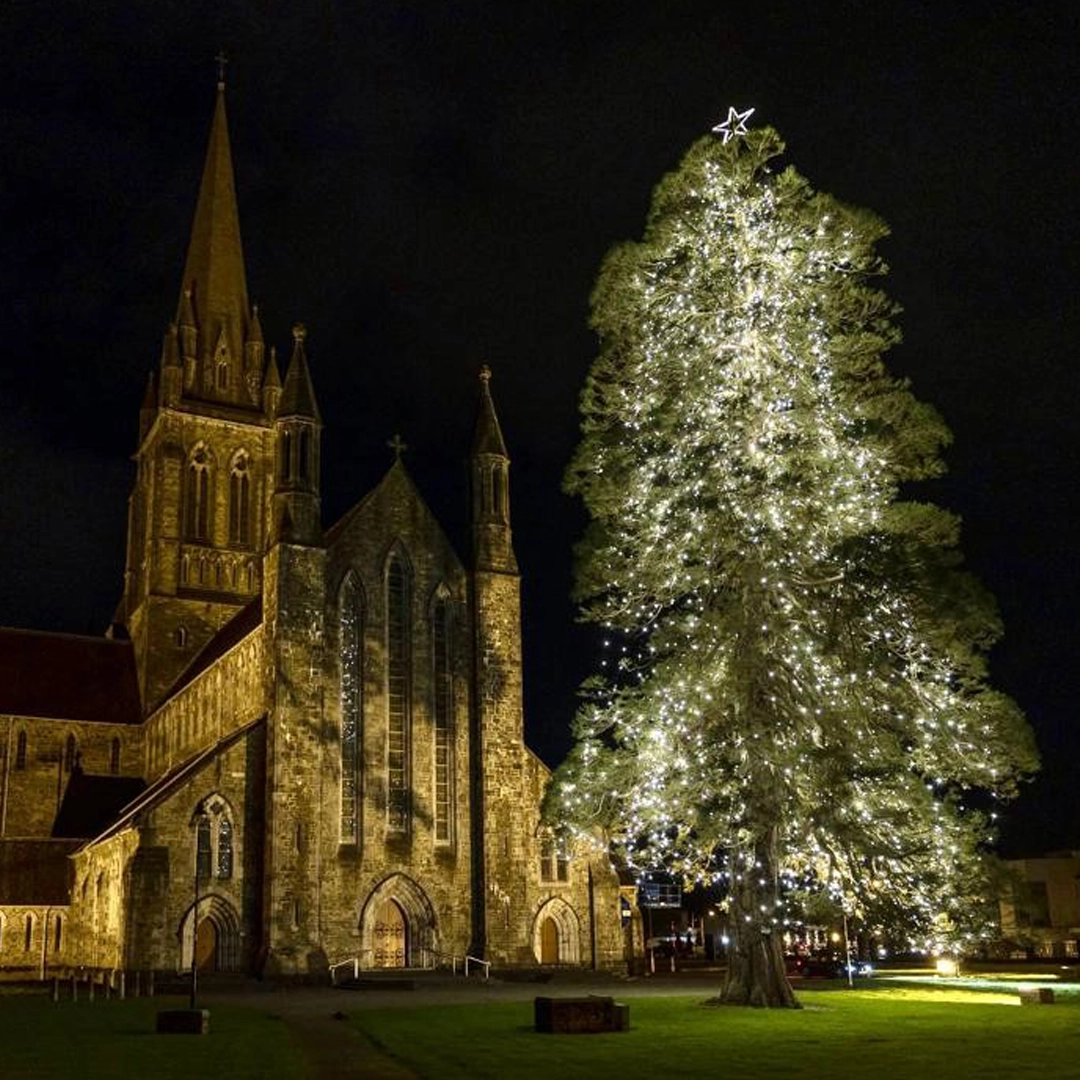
(398, 446)
(221, 60)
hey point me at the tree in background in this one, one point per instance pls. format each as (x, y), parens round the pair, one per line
(799, 698)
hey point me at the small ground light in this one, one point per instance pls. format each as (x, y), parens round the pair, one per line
(946, 966)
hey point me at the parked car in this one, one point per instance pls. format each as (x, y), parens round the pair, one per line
(826, 967)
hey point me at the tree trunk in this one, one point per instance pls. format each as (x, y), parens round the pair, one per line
(756, 974)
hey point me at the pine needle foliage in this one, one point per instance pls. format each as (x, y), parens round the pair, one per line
(798, 695)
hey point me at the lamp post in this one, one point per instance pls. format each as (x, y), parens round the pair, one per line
(199, 819)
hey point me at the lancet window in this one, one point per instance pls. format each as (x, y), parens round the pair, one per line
(350, 640)
(398, 693)
(443, 704)
(240, 501)
(197, 519)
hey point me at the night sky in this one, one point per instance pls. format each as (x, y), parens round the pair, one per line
(430, 187)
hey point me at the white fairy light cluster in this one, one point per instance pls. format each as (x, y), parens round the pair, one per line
(796, 691)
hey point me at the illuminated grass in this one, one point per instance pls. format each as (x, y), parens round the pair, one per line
(900, 1034)
(115, 1040)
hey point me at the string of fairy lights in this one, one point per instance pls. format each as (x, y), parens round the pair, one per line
(796, 683)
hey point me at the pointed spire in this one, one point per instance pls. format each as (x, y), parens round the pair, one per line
(487, 435)
(255, 333)
(214, 270)
(148, 409)
(170, 347)
(298, 395)
(272, 381)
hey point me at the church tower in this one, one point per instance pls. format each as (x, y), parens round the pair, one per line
(200, 512)
(500, 849)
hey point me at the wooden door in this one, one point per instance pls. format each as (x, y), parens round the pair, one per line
(206, 946)
(549, 941)
(389, 936)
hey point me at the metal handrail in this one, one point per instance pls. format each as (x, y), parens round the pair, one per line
(433, 955)
(485, 964)
(353, 961)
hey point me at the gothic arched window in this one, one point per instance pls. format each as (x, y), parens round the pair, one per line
(351, 643)
(224, 849)
(197, 519)
(498, 492)
(240, 501)
(221, 363)
(443, 704)
(20, 751)
(398, 693)
(203, 856)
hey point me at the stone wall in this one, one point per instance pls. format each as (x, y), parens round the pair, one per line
(226, 696)
(30, 796)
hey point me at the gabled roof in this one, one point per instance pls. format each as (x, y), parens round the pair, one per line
(91, 802)
(67, 677)
(165, 785)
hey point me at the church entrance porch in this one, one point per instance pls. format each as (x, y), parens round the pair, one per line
(556, 933)
(397, 925)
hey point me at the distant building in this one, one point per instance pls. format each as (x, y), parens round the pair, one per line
(1042, 914)
(317, 733)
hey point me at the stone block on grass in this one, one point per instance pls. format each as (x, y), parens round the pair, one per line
(183, 1022)
(1036, 995)
(580, 1015)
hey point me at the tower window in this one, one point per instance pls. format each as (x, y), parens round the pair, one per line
(554, 859)
(398, 693)
(28, 938)
(350, 640)
(305, 454)
(198, 501)
(285, 465)
(203, 858)
(240, 502)
(443, 716)
(20, 751)
(498, 491)
(221, 362)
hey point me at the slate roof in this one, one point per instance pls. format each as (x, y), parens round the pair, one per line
(91, 803)
(67, 677)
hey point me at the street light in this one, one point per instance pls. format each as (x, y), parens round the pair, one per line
(201, 823)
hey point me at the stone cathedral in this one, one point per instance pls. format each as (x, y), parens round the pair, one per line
(296, 745)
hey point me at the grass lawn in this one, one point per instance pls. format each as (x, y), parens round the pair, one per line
(116, 1040)
(893, 1034)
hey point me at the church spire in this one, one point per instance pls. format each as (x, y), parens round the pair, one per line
(489, 469)
(214, 271)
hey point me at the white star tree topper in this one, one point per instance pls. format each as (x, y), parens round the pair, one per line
(734, 125)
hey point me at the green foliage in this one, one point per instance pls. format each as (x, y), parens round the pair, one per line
(798, 685)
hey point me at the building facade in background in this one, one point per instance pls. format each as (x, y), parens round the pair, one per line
(296, 746)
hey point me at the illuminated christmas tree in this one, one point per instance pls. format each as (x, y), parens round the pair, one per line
(797, 698)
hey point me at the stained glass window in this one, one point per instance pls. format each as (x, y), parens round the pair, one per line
(202, 849)
(350, 637)
(443, 713)
(397, 655)
(224, 849)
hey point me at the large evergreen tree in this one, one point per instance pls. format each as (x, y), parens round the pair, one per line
(798, 698)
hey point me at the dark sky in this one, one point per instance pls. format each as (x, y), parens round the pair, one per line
(432, 186)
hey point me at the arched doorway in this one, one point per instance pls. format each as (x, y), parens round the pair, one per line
(549, 941)
(206, 945)
(216, 943)
(390, 936)
(556, 933)
(397, 925)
